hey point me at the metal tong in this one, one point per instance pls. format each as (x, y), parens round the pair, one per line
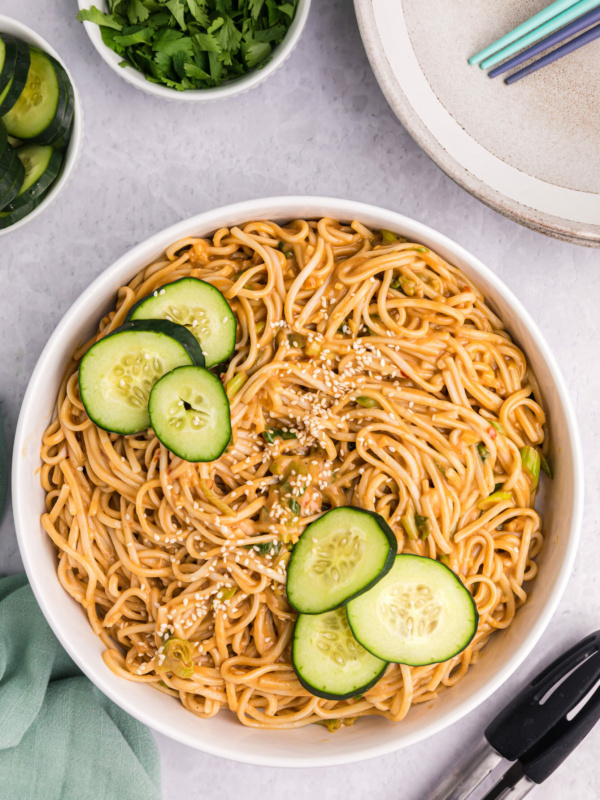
(536, 731)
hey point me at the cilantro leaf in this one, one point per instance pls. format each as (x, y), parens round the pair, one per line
(137, 12)
(136, 34)
(255, 52)
(99, 18)
(177, 8)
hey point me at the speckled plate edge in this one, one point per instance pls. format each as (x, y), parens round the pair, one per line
(390, 84)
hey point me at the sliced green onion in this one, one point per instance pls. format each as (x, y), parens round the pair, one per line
(178, 658)
(367, 402)
(332, 725)
(484, 453)
(260, 326)
(313, 348)
(264, 548)
(296, 340)
(395, 284)
(388, 237)
(421, 249)
(235, 384)
(495, 497)
(497, 425)
(294, 506)
(423, 526)
(531, 460)
(270, 434)
(546, 466)
(408, 523)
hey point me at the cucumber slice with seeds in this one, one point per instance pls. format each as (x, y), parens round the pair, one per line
(189, 413)
(117, 374)
(41, 163)
(341, 555)
(42, 101)
(327, 659)
(16, 83)
(419, 614)
(201, 308)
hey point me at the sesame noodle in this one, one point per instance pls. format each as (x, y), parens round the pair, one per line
(156, 548)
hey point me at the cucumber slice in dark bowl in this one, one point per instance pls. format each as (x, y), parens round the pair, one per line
(8, 217)
(189, 413)
(201, 308)
(40, 109)
(341, 555)
(41, 163)
(419, 614)
(328, 660)
(8, 58)
(117, 374)
(11, 183)
(16, 83)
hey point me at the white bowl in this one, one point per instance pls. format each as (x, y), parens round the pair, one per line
(8, 25)
(234, 87)
(309, 746)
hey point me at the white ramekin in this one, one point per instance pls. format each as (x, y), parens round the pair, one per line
(237, 86)
(8, 25)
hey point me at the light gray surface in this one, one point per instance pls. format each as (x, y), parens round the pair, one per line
(319, 126)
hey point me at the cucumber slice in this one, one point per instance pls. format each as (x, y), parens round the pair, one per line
(16, 172)
(118, 372)
(189, 413)
(341, 555)
(3, 140)
(41, 163)
(201, 308)
(328, 660)
(8, 218)
(42, 102)
(8, 57)
(420, 613)
(16, 83)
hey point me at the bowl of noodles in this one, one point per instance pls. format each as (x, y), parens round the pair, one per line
(126, 544)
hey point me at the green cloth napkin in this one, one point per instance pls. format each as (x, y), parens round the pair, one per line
(60, 737)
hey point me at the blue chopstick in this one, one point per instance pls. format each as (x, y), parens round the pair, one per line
(556, 38)
(538, 19)
(582, 7)
(560, 52)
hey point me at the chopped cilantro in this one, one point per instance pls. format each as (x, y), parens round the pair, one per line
(193, 44)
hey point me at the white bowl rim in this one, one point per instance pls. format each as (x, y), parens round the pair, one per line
(291, 207)
(234, 87)
(73, 151)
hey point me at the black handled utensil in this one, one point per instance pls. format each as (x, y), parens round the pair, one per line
(536, 731)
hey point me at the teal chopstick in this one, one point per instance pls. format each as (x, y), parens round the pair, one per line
(567, 16)
(538, 19)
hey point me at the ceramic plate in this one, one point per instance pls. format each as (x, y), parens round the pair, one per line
(529, 150)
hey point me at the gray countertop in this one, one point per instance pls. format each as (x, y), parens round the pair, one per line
(319, 126)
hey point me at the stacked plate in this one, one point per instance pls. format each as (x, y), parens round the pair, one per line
(528, 150)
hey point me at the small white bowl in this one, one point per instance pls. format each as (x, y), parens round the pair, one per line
(310, 746)
(71, 157)
(230, 89)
